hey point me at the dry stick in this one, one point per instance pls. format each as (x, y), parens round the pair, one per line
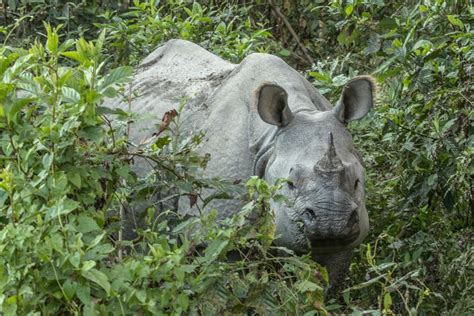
(120, 234)
(122, 211)
(5, 13)
(292, 31)
(129, 101)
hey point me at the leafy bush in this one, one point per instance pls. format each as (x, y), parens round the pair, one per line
(219, 29)
(65, 176)
(418, 149)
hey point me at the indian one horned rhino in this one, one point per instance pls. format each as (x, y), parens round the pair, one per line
(263, 118)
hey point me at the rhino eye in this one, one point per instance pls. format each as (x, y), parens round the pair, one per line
(291, 185)
(356, 184)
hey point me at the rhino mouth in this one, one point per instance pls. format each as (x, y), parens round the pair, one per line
(323, 233)
(333, 242)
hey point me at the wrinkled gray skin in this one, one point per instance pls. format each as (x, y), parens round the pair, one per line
(263, 118)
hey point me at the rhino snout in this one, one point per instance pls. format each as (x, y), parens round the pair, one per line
(330, 229)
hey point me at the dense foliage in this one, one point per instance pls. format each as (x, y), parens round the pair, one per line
(66, 174)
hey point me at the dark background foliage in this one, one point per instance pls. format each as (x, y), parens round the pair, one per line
(417, 145)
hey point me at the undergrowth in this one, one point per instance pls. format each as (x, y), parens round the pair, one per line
(66, 175)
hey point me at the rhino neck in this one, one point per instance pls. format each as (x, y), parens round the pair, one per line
(262, 149)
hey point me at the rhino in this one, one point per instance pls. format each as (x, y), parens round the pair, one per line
(261, 117)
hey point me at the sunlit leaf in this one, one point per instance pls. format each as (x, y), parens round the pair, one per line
(453, 19)
(70, 95)
(97, 277)
(63, 207)
(117, 75)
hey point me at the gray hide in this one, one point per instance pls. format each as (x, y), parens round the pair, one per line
(263, 118)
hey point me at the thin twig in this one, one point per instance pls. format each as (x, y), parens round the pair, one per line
(416, 132)
(122, 207)
(159, 162)
(120, 233)
(292, 31)
(111, 129)
(5, 13)
(129, 102)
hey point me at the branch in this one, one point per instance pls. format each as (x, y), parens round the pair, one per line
(292, 31)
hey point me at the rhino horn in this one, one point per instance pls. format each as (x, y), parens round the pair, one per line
(330, 162)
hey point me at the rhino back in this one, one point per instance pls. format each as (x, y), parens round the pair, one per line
(178, 71)
(219, 99)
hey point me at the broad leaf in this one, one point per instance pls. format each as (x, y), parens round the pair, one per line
(97, 277)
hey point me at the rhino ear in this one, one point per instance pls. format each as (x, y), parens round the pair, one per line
(356, 100)
(272, 105)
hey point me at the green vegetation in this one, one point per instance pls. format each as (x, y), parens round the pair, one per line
(66, 172)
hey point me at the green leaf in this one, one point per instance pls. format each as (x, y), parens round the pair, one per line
(188, 11)
(346, 295)
(189, 223)
(365, 284)
(47, 161)
(320, 76)
(10, 305)
(16, 107)
(110, 92)
(6, 62)
(63, 207)
(307, 286)
(69, 289)
(87, 265)
(432, 179)
(284, 53)
(87, 224)
(70, 95)
(93, 133)
(74, 55)
(106, 110)
(75, 259)
(75, 179)
(3, 197)
(83, 291)
(117, 75)
(141, 295)
(52, 39)
(383, 266)
(20, 65)
(213, 251)
(183, 301)
(96, 241)
(197, 8)
(455, 21)
(97, 277)
(387, 301)
(423, 8)
(162, 142)
(5, 89)
(348, 10)
(373, 44)
(58, 183)
(340, 80)
(100, 41)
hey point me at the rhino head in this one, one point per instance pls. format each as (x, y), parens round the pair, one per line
(313, 149)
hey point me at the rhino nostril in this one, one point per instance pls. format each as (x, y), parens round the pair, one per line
(309, 214)
(353, 219)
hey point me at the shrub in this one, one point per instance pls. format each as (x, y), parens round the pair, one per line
(417, 145)
(66, 179)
